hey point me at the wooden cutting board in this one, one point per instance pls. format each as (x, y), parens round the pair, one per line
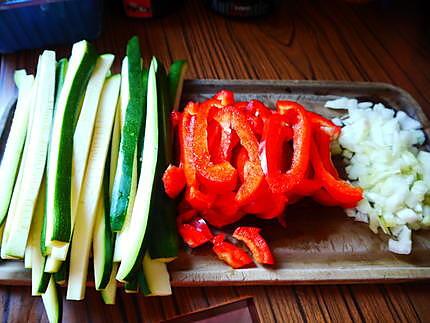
(319, 244)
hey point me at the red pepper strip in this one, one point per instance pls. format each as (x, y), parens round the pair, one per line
(253, 174)
(239, 161)
(174, 181)
(257, 114)
(224, 211)
(195, 233)
(340, 190)
(307, 187)
(227, 206)
(197, 199)
(220, 237)
(278, 203)
(193, 195)
(266, 205)
(225, 97)
(324, 124)
(295, 116)
(276, 131)
(255, 242)
(186, 131)
(231, 254)
(214, 142)
(324, 198)
(221, 142)
(216, 177)
(323, 141)
(262, 201)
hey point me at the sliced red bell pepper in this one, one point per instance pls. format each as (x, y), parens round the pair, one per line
(216, 216)
(253, 174)
(324, 124)
(295, 116)
(197, 199)
(307, 187)
(257, 114)
(323, 142)
(340, 190)
(195, 233)
(174, 181)
(186, 137)
(221, 142)
(214, 142)
(231, 254)
(225, 97)
(266, 205)
(239, 161)
(220, 237)
(278, 203)
(217, 177)
(324, 198)
(255, 242)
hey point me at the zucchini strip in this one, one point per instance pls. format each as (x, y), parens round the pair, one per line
(58, 219)
(91, 187)
(129, 135)
(109, 293)
(82, 137)
(53, 302)
(103, 238)
(163, 237)
(15, 142)
(157, 276)
(37, 259)
(34, 163)
(139, 218)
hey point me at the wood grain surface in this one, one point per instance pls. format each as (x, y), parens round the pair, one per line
(318, 40)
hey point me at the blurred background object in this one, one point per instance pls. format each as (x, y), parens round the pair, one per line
(38, 23)
(242, 8)
(150, 8)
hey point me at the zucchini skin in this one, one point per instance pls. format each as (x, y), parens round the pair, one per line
(129, 137)
(143, 284)
(44, 280)
(175, 82)
(163, 239)
(62, 191)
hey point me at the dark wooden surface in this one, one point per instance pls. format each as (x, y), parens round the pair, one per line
(323, 40)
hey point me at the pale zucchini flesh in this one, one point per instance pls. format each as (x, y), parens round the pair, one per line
(53, 302)
(52, 264)
(15, 143)
(37, 259)
(82, 235)
(109, 293)
(34, 162)
(157, 276)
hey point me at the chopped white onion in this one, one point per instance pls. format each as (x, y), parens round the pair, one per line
(381, 155)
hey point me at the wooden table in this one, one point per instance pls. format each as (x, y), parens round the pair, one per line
(324, 40)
